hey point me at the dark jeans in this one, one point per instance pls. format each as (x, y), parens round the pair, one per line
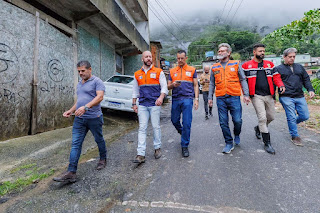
(205, 95)
(79, 132)
(232, 104)
(183, 106)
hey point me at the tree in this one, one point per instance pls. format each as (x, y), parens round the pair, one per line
(240, 41)
(302, 34)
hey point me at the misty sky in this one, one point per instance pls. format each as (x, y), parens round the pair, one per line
(267, 12)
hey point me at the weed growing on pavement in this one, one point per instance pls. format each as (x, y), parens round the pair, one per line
(18, 185)
(27, 166)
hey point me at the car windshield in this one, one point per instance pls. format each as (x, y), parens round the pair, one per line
(120, 79)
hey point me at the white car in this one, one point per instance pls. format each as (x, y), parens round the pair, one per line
(118, 94)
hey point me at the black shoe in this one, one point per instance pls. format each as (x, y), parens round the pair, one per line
(207, 117)
(185, 152)
(267, 143)
(258, 133)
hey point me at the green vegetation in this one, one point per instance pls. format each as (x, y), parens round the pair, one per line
(302, 34)
(19, 184)
(315, 68)
(23, 167)
(316, 85)
(240, 41)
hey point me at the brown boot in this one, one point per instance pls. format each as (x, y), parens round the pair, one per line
(297, 141)
(66, 177)
(101, 164)
(157, 153)
(139, 159)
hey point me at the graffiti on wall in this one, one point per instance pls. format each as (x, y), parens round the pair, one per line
(9, 64)
(9, 69)
(12, 97)
(55, 70)
(55, 85)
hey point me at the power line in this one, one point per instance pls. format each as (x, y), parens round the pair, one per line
(230, 9)
(223, 10)
(162, 22)
(236, 11)
(172, 12)
(172, 20)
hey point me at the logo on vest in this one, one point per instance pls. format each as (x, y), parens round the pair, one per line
(140, 77)
(232, 69)
(153, 75)
(176, 74)
(188, 74)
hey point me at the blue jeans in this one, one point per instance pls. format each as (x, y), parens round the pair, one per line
(144, 113)
(296, 112)
(79, 131)
(183, 106)
(232, 104)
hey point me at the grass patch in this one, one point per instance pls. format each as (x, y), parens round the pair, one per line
(28, 166)
(18, 185)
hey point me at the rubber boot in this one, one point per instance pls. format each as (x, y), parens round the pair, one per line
(267, 143)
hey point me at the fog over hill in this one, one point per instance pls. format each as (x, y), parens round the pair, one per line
(193, 17)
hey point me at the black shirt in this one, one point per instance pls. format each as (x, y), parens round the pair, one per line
(262, 85)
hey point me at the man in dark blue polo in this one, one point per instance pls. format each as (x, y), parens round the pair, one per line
(88, 116)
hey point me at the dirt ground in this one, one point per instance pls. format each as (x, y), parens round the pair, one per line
(314, 109)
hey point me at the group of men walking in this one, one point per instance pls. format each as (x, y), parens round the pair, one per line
(228, 80)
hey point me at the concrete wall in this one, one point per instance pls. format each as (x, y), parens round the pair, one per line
(55, 89)
(55, 78)
(17, 29)
(98, 53)
(132, 64)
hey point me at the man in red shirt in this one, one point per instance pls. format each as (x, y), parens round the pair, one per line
(261, 77)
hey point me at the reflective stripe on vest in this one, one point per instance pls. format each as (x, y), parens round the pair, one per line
(227, 80)
(149, 86)
(185, 75)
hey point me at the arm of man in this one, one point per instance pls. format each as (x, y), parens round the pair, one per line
(135, 95)
(68, 113)
(307, 83)
(211, 89)
(277, 80)
(164, 89)
(196, 93)
(81, 110)
(244, 85)
(171, 84)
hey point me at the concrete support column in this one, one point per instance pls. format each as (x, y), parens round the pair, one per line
(34, 97)
(75, 60)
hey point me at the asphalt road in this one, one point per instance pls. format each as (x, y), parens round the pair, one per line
(248, 180)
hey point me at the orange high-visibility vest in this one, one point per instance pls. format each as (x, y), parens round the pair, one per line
(185, 75)
(227, 79)
(149, 86)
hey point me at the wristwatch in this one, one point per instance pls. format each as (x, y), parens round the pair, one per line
(134, 104)
(197, 99)
(86, 108)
